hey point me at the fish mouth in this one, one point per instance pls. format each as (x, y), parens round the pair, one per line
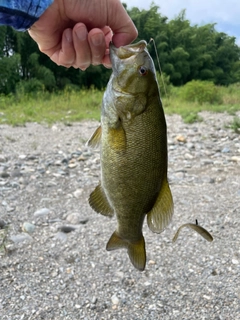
(127, 51)
(125, 55)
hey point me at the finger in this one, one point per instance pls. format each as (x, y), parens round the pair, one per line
(65, 56)
(122, 37)
(108, 38)
(121, 24)
(97, 44)
(106, 61)
(108, 34)
(81, 46)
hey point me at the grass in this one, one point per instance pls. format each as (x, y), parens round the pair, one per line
(66, 106)
(69, 106)
(235, 125)
(230, 103)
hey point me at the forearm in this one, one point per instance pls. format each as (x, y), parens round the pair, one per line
(21, 14)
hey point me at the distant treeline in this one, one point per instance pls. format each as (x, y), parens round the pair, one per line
(186, 52)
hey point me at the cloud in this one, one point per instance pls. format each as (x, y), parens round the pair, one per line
(224, 13)
(198, 12)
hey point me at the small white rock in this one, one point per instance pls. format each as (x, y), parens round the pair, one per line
(235, 261)
(72, 165)
(28, 227)
(41, 212)
(77, 194)
(115, 300)
(73, 218)
(22, 156)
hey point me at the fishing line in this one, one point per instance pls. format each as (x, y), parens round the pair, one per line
(159, 66)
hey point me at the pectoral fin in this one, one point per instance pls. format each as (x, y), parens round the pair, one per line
(200, 230)
(98, 201)
(117, 138)
(136, 250)
(160, 215)
(95, 139)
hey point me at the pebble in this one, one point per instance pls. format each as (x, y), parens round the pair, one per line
(41, 212)
(62, 236)
(181, 138)
(4, 174)
(4, 203)
(10, 209)
(22, 156)
(77, 194)
(72, 165)
(225, 150)
(206, 161)
(76, 218)
(235, 159)
(82, 158)
(28, 227)
(67, 229)
(235, 261)
(115, 300)
(94, 300)
(73, 218)
(152, 307)
(205, 185)
(3, 158)
(2, 224)
(21, 237)
(55, 128)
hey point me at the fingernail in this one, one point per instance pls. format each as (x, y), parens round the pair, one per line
(97, 39)
(81, 33)
(68, 35)
(108, 66)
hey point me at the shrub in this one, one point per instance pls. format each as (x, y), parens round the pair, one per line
(236, 124)
(201, 92)
(29, 86)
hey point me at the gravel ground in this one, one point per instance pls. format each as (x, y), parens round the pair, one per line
(55, 265)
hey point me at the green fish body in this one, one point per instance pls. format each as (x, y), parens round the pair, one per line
(133, 142)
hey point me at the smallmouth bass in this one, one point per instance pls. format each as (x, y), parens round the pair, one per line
(133, 148)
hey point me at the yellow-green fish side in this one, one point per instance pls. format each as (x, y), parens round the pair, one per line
(133, 143)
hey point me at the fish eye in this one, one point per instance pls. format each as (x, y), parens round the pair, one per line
(143, 70)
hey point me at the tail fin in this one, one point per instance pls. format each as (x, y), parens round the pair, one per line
(136, 250)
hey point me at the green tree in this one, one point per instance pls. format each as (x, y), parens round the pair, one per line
(10, 75)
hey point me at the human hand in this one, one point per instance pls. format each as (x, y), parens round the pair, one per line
(77, 32)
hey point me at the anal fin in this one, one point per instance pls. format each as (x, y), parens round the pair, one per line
(98, 201)
(136, 249)
(160, 215)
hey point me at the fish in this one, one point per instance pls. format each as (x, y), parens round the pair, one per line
(196, 227)
(133, 152)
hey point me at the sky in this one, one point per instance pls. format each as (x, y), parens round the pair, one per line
(226, 13)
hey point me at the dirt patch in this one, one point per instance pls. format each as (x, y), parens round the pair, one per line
(59, 268)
